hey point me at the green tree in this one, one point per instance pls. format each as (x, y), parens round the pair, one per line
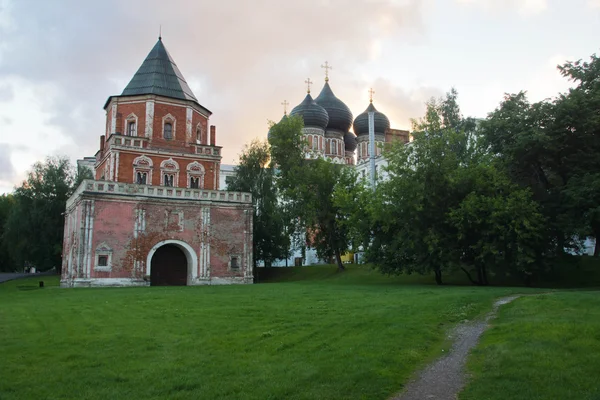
(7, 202)
(35, 225)
(254, 174)
(446, 205)
(307, 187)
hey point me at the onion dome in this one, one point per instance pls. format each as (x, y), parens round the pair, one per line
(313, 114)
(350, 141)
(361, 123)
(269, 134)
(340, 116)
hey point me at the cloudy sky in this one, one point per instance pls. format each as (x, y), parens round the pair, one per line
(61, 59)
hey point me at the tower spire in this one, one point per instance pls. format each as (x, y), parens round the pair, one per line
(327, 67)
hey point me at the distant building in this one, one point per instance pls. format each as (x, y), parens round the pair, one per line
(154, 214)
(226, 173)
(89, 163)
(332, 134)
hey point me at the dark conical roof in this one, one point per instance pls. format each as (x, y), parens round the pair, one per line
(350, 141)
(313, 114)
(340, 116)
(361, 123)
(159, 75)
(270, 134)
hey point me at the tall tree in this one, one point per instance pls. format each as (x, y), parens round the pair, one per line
(307, 187)
(254, 174)
(7, 202)
(446, 205)
(35, 225)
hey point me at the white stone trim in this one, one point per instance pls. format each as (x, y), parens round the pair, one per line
(190, 254)
(113, 120)
(149, 118)
(188, 123)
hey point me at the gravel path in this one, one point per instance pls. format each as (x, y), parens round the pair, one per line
(9, 276)
(444, 379)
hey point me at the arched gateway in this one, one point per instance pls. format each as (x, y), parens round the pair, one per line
(171, 263)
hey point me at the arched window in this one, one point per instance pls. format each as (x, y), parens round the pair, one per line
(195, 175)
(142, 170)
(169, 171)
(169, 127)
(168, 131)
(130, 125)
(131, 128)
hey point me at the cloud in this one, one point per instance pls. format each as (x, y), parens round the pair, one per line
(7, 171)
(240, 58)
(594, 3)
(524, 8)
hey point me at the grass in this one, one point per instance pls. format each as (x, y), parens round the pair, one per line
(542, 347)
(314, 334)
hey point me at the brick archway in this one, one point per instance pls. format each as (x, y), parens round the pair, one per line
(176, 253)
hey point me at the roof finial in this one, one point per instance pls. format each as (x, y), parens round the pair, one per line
(371, 93)
(308, 83)
(160, 32)
(327, 67)
(285, 104)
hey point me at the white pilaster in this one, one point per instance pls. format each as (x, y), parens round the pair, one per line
(188, 124)
(113, 119)
(149, 118)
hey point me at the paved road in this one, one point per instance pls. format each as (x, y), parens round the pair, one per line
(9, 276)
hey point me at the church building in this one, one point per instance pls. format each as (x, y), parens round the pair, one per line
(331, 133)
(153, 215)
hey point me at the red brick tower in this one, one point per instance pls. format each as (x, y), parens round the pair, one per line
(154, 214)
(157, 131)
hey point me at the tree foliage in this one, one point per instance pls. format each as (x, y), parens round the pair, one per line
(446, 205)
(254, 174)
(307, 187)
(33, 231)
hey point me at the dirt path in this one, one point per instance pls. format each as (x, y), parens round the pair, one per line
(444, 379)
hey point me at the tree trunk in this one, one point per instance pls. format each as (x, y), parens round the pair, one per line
(479, 276)
(469, 276)
(484, 275)
(338, 259)
(438, 277)
(597, 248)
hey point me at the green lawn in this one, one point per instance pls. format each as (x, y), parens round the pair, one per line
(310, 333)
(542, 347)
(355, 335)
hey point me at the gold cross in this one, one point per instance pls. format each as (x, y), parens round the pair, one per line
(285, 104)
(308, 83)
(327, 67)
(371, 93)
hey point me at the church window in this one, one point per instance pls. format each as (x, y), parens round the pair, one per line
(131, 128)
(315, 143)
(168, 130)
(194, 182)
